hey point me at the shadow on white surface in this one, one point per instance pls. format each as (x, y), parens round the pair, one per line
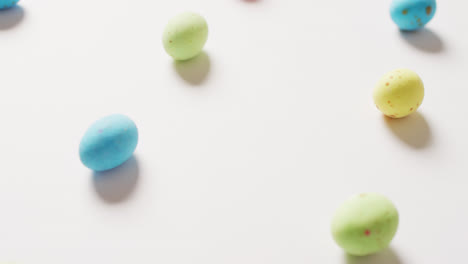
(116, 185)
(194, 71)
(425, 40)
(11, 17)
(412, 130)
(388, 256)
(251, 1)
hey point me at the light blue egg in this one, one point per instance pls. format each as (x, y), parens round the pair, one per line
(108, 142)
(412, 14)
(7, 3)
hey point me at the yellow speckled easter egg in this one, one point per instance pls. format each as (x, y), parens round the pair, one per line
(399, 93)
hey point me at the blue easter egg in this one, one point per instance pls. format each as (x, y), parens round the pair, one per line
(108, 142)
(7, 3)
(412, 14)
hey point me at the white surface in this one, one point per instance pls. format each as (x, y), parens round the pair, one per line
(243, 161)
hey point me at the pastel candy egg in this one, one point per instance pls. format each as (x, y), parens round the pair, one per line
(399, 93)
(412, 14)
(7, 3)
(365, 224)
(185, 35)
(108, 142)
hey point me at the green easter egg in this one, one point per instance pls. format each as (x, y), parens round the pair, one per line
(399, 93)
(185, 35)
(365, 224)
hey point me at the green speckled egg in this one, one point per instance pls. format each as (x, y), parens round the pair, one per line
(365, 224)
(399, 93)
(185, 35)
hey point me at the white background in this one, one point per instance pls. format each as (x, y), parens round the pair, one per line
(245, 152)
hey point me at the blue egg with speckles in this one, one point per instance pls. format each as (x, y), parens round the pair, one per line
(108, 142)
(412, 14)
(4, 4)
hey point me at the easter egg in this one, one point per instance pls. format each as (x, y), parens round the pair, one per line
(412, 14)
(108, 142)
(7, 3)
(365, 224)
(185, 35)
(399, 93)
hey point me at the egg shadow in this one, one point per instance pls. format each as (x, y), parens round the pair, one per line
(251, 1)
(413, 130)
(195, 70)
(116, 185)
(388, 256)
(11, 17)
(424, 39)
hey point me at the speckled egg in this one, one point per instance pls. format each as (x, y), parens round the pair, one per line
(399, 93)
(109, 142)
(365, 224)
(7, 3)
(412, 14)
(185, 35)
